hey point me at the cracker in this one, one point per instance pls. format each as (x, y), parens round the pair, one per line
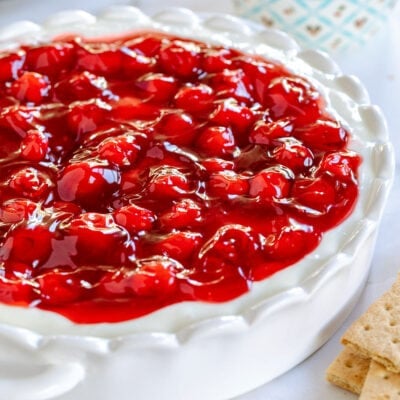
(348, 371)
(376, 334)
(380, 384)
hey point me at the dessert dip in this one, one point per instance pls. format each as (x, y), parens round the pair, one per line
(148, 169)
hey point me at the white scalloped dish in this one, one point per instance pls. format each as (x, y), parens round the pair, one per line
(197, 350)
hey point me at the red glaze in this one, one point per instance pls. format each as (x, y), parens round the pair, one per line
(145, 171)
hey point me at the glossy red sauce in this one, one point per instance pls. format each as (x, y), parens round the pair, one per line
(150, 170)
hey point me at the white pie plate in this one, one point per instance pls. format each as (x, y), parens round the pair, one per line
(207, 351)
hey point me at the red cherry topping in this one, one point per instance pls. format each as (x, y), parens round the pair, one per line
(182, 214)
(293, 97)
(166, 182)
(134, 218)
(85, 117)
(10, 65)
(87, 182)
(324, 135)
(195, 99)
(158, 87)
(180, 58)
(294, 155)
(30, 87)
(30, 182)
(100, 59)
(176, 128)
(180, 246)
(217, 141)
(57, 288)
(225, 184)
(34, 146)
(341, 164)
(154, 277)
(52, 59)
(120, 150)
(270, 184)
(268, 132)
(142, 171)
(16, 210)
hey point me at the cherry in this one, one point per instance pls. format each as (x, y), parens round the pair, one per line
(98, 238)
(229, 113)
(11, 65)
(84, 117)
(87, 182)
(180, 246)
(52, 59)
(28, 244)
(217, 141)
(268, 132)
(17, 210)
(175, 128)
(158, 87)
(167, 182)
(134, 218)
(293, 97)
(30, 87)
(135, 64)
(232, 83)
(154, 277)
(133, 180)
(182, 214)
(295, 156)
(17, 119)
(195, 99)
(80, 87)
(148, 46)
(16, 291)
(341, 165)
(30, 182)
(324, 135)
(65, 207)
(216, 60)
(292, 242)
(260, 74)
(180, 58)
(58, 288)
(215, 164)
(318, 194)
(232, 244)
(34, 146)
(225, 184)
(98, 58)
(270, 184)
(15, 270)
(120, 150)
(132, 108)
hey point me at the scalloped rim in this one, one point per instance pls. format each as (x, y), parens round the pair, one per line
(228, 30)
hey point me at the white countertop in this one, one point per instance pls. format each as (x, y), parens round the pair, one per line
(378, 66)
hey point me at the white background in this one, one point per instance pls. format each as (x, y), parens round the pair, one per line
(377, 64)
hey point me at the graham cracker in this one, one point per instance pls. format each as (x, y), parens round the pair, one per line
(380, 384)
(376, 334)
(348, 371)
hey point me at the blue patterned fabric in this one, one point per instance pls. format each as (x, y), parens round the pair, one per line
(326, 24)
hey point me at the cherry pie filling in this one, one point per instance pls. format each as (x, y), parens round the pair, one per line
(148, 170)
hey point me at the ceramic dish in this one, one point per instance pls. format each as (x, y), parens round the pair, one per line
(198, 350)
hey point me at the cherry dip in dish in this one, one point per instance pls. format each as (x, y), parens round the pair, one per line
(151, 169)
(188, 204)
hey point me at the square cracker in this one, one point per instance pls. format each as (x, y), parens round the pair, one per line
(348, 371)
(380, 384)
(376, 334)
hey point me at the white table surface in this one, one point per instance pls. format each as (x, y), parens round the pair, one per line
(377, 64)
